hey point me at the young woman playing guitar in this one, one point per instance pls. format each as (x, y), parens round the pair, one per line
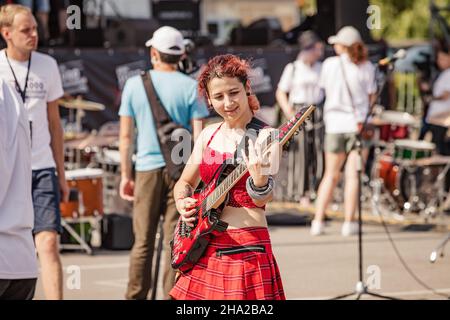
(239, 263)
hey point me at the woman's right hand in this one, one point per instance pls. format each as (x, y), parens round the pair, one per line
(187, 207)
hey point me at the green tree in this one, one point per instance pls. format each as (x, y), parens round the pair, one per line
(405, 19)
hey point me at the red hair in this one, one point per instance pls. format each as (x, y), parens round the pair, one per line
(229, 66)
(357, 52)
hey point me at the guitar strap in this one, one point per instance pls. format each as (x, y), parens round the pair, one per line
(253, 129)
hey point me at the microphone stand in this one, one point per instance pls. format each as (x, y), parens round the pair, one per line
(361, 288)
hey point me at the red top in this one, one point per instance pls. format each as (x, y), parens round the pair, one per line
(211, 161)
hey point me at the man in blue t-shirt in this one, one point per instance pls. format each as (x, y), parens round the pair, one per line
(152, 192)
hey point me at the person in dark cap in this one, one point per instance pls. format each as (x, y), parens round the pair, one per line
(299, 86)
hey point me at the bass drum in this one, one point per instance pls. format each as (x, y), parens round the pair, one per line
(407, 183)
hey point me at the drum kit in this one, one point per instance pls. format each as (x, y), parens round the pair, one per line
(407, 176)
(80, 147)
(92, 164)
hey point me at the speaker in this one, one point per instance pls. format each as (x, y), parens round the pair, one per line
(129, 32)
(117, 232)
(180, 14)
(260, 32)
(86, 37)
(332, 15)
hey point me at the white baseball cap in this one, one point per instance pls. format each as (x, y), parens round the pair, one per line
(346, 36)
(167, 40)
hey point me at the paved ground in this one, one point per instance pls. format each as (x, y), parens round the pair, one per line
(311, 267)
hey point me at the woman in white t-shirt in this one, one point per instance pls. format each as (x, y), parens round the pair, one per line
(440, 104)
(349, 83)
(298, 86)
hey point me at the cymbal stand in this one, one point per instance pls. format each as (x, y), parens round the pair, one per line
(79, 116)
(413, 199)
(441, 246)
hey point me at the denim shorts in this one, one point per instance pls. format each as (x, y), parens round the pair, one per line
(45, 190)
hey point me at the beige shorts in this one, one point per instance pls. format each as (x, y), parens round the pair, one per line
(342, 142)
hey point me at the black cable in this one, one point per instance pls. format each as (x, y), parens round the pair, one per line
(405, 265)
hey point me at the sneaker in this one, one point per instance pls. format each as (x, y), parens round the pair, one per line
(305, 202)
(317, 228)
(349, 228)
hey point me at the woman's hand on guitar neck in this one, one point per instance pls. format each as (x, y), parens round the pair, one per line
(258, 162)
(187, 207)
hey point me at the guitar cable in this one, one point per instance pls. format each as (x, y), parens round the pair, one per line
(405, 265)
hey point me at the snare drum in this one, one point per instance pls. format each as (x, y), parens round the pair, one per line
(412, 149)
(394, 124)
(89, 184)
(390, 132)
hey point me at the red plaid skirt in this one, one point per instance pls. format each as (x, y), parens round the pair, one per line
(237, 265)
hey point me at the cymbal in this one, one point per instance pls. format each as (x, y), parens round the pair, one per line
(81, 104)
(395, 118)
(441, 119)
(92, 141)
(69, 135)
(435, 160)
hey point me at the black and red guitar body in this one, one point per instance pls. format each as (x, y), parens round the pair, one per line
(189, 243)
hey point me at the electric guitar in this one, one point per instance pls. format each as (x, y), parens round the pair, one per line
(189, 243)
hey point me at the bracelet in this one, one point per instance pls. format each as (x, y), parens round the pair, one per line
(259, 193)
(258, 189)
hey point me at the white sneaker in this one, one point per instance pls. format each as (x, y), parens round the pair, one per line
(349, 228)
(317, 228)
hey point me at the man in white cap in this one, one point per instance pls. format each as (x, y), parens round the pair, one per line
(152, 189)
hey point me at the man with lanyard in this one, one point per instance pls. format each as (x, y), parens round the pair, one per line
(153, 191)
(36, 78)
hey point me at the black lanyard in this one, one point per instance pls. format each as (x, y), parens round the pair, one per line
(24, 91)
